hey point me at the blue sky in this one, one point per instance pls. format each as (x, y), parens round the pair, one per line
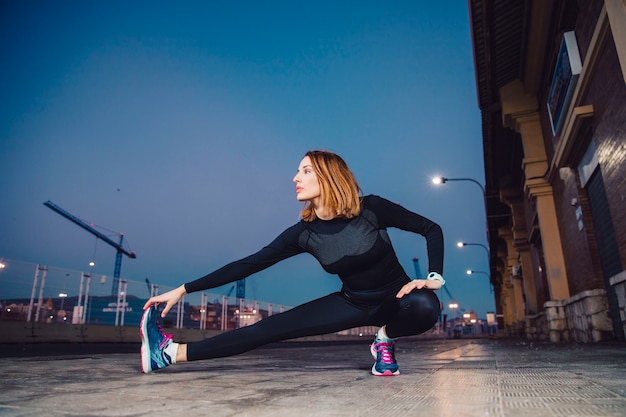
(182, 124)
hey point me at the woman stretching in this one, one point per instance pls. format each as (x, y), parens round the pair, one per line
(347, 234)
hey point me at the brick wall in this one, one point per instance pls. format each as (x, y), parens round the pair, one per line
(576, 246)
(607, 93)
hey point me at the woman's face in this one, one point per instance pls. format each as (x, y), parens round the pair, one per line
(307, 184)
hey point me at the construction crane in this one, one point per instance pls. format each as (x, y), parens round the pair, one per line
(241, 289)
(118, 246)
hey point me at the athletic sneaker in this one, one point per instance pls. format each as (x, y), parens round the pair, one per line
(153, 342)
(383, 352)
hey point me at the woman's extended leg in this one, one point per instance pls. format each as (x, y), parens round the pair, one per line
(328, 314)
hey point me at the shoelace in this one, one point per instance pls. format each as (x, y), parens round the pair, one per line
(166, 337)
(386, 351)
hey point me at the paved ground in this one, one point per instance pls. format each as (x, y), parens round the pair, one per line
(462, 377)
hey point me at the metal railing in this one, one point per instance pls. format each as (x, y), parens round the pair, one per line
(38, 293)
(46, 294)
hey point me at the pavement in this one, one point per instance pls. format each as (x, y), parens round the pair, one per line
(444, 377)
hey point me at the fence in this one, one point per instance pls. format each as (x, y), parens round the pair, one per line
(46, 294)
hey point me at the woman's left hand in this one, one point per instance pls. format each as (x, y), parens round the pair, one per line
(418, 284)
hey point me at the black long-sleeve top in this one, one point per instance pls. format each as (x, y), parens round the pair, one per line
(358, 250)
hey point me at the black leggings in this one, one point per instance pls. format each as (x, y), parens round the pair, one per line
(412, 314)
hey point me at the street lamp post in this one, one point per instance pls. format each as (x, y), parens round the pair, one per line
(461, 244)
(62, 296)
(471, 272)
(443, 180)
(454, 307)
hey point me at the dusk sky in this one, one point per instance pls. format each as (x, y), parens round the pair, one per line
(181, 124)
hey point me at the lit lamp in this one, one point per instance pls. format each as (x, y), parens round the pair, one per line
(453, 306)
(461, 244)
(443, 180)
(469, 271)
(62, 296)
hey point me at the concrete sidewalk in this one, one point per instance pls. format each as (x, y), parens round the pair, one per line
(462, 377)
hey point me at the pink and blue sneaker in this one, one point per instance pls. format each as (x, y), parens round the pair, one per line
(383, 352)
(153, 342)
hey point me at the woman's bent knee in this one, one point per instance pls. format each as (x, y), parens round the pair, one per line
(423, 308)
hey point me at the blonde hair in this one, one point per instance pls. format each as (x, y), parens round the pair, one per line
(339, 190)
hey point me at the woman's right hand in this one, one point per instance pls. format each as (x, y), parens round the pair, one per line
(170, 298)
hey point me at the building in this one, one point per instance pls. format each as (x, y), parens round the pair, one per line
(551, 83)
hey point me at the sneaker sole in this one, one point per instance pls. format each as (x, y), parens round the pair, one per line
(145, 347)
(386, 373)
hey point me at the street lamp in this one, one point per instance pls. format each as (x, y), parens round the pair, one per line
(63, 296)
(461, 244)
(453, 306)
(454, 309)
(471, 272)
(443, 180)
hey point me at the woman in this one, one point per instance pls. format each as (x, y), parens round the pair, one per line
(347, 234)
